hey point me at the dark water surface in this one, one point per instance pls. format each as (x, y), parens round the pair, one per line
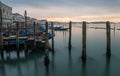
(64, 62)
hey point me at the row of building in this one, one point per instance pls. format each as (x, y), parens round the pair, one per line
(8, 19)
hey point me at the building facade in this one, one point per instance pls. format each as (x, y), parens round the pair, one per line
(18, 18)
(6, 15)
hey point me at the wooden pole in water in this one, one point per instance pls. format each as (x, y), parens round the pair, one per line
(46, 59)
(17, 34)
(17, 38)
(1, 22)
(70, 28)
(34, 30)
(108, 39)
(52, 26)
(46, 36)
(83, 41)
(114, 29)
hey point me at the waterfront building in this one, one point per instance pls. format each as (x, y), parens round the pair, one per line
(18, 18)
(6, 12)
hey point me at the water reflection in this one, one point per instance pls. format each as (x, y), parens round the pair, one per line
(62, 62)
(53, 61)
(19, 66)
(36, 67)
(2, 55)
(8, 54)
(18, 54)
(83, 68)
(107, 68)
(46, 63)
(2, 71)
(70, 59)
(19, 69)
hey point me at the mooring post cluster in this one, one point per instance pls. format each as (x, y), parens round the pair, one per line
(108, 40)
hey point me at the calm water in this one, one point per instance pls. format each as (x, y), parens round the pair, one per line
(68, 63)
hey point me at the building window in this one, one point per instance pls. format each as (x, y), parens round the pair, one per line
(7, 13)
(3, 10)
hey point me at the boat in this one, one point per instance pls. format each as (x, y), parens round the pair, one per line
(59, 28)
(24, 38)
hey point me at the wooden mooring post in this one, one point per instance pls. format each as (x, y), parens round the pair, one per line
(83, 41)
(70, 34)
(1, 36)
(34, 24)
(114, 29)
(108, 39)
(46, 58)
(17, 35)
(52, 26)
(46, 37)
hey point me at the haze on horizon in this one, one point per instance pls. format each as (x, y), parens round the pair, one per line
(68, 10)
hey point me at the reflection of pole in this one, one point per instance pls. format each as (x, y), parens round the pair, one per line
(107, 70)
(53, 61)
(36, 70)
(19, 70)
(84, 41)
(2, 70)
(18, 54)
(1, 22)
(83, 67)
(70, 28)
(52, 25)
(2, 55)
(70, 60)
(108, 39)
(46, 63)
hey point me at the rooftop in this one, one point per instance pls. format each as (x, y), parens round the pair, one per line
(5, 5)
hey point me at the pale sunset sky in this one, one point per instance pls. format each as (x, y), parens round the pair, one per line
(68, 10)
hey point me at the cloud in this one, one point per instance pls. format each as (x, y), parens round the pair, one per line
(66, 8)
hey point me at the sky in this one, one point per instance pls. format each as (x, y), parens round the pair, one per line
(68, 10)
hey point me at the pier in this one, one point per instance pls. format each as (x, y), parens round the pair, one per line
(17, 40)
